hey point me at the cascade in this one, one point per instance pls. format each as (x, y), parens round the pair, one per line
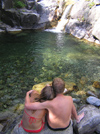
(63, 21)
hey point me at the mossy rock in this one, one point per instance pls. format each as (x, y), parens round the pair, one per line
(68, 85)
(40, 86)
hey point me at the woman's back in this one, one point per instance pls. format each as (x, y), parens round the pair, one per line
(33, 119)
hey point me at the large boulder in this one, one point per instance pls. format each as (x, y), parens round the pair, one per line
(23, 18)
(84, 20)
(91, 121)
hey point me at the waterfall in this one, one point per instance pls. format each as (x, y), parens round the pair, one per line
(63, 21)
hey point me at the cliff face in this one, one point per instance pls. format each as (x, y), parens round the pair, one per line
(84, 20)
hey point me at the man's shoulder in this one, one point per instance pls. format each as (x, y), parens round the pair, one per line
(69, 98)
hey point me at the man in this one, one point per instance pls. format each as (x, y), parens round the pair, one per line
(60, 109)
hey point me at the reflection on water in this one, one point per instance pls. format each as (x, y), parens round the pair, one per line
(30, 58)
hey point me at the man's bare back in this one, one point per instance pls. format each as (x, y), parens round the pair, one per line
(60, 109)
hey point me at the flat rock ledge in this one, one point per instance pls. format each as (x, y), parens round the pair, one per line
(88, 125)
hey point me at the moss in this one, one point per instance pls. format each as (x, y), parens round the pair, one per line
(91, 4)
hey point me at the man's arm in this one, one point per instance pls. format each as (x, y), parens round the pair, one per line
(35, 105)
(77, 117)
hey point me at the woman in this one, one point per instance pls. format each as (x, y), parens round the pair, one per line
(33, 120)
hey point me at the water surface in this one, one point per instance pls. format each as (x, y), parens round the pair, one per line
(33, 57)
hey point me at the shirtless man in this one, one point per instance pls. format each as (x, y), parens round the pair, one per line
(60, 109)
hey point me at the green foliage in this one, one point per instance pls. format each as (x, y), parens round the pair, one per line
(91, 4)
(19, 4)
(83, 19)
(87, 0)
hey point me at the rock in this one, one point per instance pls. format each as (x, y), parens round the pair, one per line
(96, 84)
(1, 127)
(93, 101)
(95, 31)
(46, 130)
(90, 93)
(83, 80)
(29, 19)
(79, 9)
(76, 100)
(97, 2)
(69, 86)
(98, 129)
(90, 121)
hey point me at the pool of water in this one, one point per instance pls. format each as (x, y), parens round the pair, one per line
(34, 57)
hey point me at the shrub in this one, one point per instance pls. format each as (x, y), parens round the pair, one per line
(19, 4)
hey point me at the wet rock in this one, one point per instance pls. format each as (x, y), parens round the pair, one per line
(96, 84)
(83, 80)
(76, 100)
(90, 121)
(93, 101)
(90, 93)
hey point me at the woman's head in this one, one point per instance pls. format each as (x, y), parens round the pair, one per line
(46, 93)
(34, 96)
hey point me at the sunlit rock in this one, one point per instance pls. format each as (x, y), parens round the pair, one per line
(70, 86)
(95, 31)
(93, 101)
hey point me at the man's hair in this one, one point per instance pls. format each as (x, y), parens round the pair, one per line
(47, 93)
(58, 86)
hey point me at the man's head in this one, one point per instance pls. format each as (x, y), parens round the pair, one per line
(58, 86)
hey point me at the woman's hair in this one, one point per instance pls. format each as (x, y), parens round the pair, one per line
(34, 96)
(46, 94)
(58, 86)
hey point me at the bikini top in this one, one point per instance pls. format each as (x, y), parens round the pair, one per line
(31, 118)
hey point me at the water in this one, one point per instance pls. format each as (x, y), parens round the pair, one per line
(33, 57)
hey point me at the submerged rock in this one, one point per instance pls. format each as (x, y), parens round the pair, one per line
(69, 86)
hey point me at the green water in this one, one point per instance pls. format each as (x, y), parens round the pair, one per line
(30, 58)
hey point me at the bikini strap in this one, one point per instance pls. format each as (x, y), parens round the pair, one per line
(31, 119)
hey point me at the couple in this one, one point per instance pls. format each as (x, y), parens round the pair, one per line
(51, 102)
